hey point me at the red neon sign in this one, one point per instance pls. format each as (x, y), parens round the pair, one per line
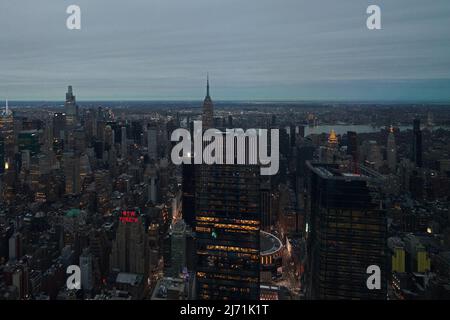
(128, 216)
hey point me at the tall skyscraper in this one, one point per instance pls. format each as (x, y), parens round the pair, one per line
(178, 247)
(152, 142)
(188, 193)
(130, 249)
(29, 140)
(124, 142)
(417, 144)
(207, 118)
(59, 125)
(346, 234)
(391, 151)
(352, 149)
(151, 176)
(71, 164)
(293, 135)
(267, 218)
(227, 225)
(15, 247)
(71, 109)
(228, 219)
(2, 155)
(87, 273)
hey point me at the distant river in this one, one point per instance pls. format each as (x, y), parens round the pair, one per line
(360, 128)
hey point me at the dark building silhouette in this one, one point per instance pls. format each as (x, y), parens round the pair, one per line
(352, 149)
(301, 131)
(228, 218)
(267, 218)
(188, 193)
(347, 234)
(293, 135)
(2, 155)
(417, 144)
(59, 124)
(227, 206)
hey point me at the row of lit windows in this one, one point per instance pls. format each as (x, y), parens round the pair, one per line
(232, 249)
(230, 226)
(225, 255)
(237, 221)
(203, 275)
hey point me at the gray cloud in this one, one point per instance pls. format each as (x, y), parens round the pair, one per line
(254, 49)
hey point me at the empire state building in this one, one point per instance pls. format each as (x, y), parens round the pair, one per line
(207, 117)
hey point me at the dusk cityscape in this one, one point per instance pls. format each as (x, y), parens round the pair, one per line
(205, 164)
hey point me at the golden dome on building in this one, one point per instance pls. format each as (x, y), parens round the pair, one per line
(332, 138)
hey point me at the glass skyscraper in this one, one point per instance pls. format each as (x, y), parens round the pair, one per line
(347, 234)
(227, 225)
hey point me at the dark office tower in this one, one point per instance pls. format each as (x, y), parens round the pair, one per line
(228, 215)
(171, 126)
(230, 121)
(136, 131)
(152, 142)
(2, 155)
(124, 142)
(293, 135)
(417, 144)
(274, 120)
(98, 149)
(266, 206)
(305, 152)
(59, 125)
(29, 140)
(71, 108)
(352, 149)
(188, 193)
(207, 117)
(71, 165)
(347, 234)
(284, 143)
(7, 133)
(301, 131)
(416, 185)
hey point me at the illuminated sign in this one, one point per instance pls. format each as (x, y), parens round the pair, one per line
(128, 216)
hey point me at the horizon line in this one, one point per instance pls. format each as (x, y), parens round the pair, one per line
(369, 101)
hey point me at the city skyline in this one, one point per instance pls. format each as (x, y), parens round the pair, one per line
(343, 218)
(162, 51)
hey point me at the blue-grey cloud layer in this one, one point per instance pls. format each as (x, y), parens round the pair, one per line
(253, 49)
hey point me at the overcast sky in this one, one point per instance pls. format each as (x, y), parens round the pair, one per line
(252, 49)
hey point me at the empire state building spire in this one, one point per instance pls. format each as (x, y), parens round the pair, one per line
(207, 117)
(207, 85)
